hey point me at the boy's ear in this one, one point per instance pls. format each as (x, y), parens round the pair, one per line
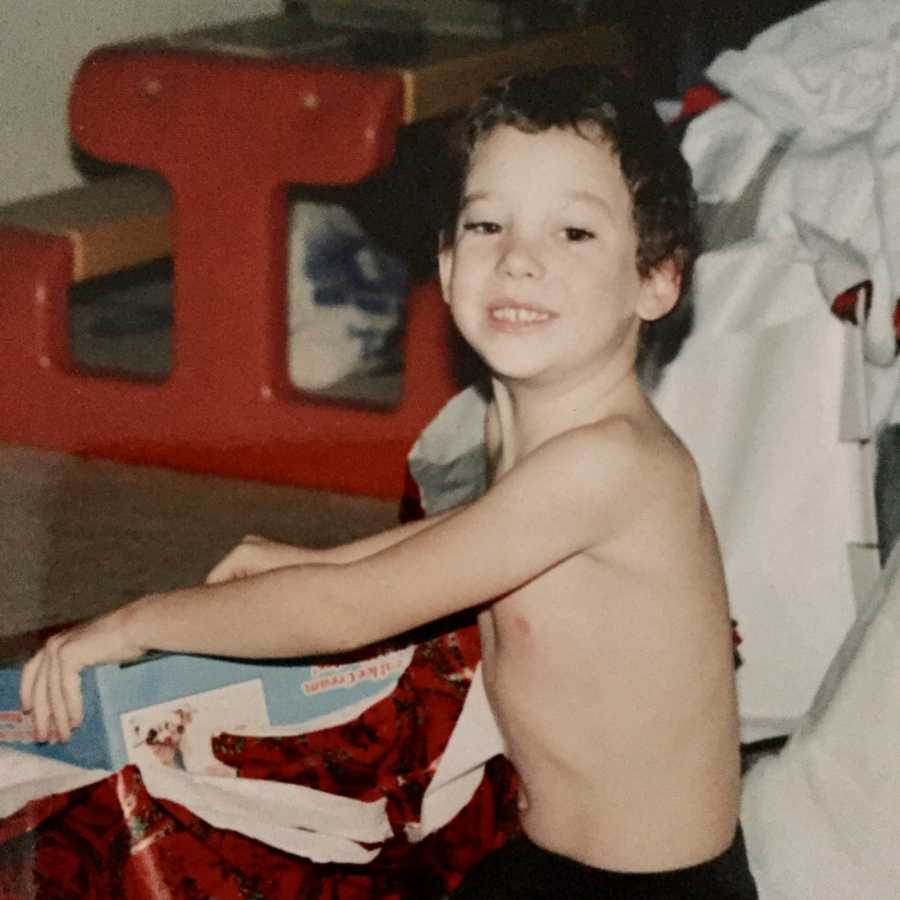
(445, 265)
(660, 291)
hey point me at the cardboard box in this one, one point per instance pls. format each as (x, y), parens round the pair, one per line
(167, 706)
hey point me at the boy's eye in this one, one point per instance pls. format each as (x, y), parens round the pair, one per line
(578, 234)
(482, 227)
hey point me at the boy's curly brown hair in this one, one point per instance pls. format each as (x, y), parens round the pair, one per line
(600, 103)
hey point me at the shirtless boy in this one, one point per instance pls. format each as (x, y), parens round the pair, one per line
(605, 628)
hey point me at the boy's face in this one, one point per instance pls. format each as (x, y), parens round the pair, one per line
(541, 275)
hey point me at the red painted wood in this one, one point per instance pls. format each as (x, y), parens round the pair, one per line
(228, 134)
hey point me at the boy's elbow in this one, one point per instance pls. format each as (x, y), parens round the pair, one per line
(337, 623)
(338, 609)
(347, 638)
(361, 630)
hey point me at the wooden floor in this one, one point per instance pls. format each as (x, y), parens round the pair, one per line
(82, 536)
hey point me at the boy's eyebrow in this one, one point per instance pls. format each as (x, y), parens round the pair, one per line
(592, 199)
(469, 199)
(581, 196)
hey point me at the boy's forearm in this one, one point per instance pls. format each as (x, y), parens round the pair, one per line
(367, 546)
(287, 612)
(291, 611)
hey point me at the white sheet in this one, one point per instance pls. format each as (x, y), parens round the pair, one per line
(827, 83)
(758, 394)
(822, 818)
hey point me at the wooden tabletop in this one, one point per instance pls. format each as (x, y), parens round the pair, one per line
(441, 73)
(454, 76)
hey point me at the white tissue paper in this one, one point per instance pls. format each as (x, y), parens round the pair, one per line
(825, 84)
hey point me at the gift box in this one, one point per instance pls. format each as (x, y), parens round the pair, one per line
(166, 707)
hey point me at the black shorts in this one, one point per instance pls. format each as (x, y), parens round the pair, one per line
(520, 870)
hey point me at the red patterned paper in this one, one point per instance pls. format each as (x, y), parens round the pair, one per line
(112, 839)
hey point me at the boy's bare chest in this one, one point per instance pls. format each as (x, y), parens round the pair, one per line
(555, 610)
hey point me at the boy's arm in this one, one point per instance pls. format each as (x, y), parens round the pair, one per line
(375, 543)
(557, 502)
(562, 499)
(255, 555)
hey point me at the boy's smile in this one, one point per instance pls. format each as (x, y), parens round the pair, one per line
(541, 275)
(509, 316)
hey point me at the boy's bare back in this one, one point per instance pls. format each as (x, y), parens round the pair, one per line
(611, 673)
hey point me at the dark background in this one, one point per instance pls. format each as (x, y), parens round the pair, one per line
(675, 39)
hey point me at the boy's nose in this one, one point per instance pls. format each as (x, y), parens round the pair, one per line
(520, 259)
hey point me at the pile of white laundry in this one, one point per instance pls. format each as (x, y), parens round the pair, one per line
(777, 398)
(824, 84)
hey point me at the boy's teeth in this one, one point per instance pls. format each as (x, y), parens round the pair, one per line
(517, 314)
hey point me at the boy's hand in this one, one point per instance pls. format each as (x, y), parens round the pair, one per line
(255, 555)
(51, 680)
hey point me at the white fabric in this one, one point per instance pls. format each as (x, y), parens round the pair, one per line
(26, 777)
(758, 394)
(448, 459)
(345, 298)
(822, 818)
(827, 83)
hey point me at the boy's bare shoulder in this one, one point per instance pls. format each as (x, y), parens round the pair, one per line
(589, 485)
(621, 451)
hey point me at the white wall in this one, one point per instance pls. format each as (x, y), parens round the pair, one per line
(41, 44)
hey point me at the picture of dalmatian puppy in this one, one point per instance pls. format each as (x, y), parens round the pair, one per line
(162, 737)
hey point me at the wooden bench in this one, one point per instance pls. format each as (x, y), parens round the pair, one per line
(112, 224)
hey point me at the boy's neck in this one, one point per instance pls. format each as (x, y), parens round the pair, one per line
(529, 415)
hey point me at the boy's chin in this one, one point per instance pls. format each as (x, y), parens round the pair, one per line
(517, 359)
(521, 372)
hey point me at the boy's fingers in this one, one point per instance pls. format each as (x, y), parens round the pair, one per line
(72, 697)
(63, 679)
(40, 707)
(26, 685)
(221, 572)
(58, 717)
(44, 692)
(226, 569)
